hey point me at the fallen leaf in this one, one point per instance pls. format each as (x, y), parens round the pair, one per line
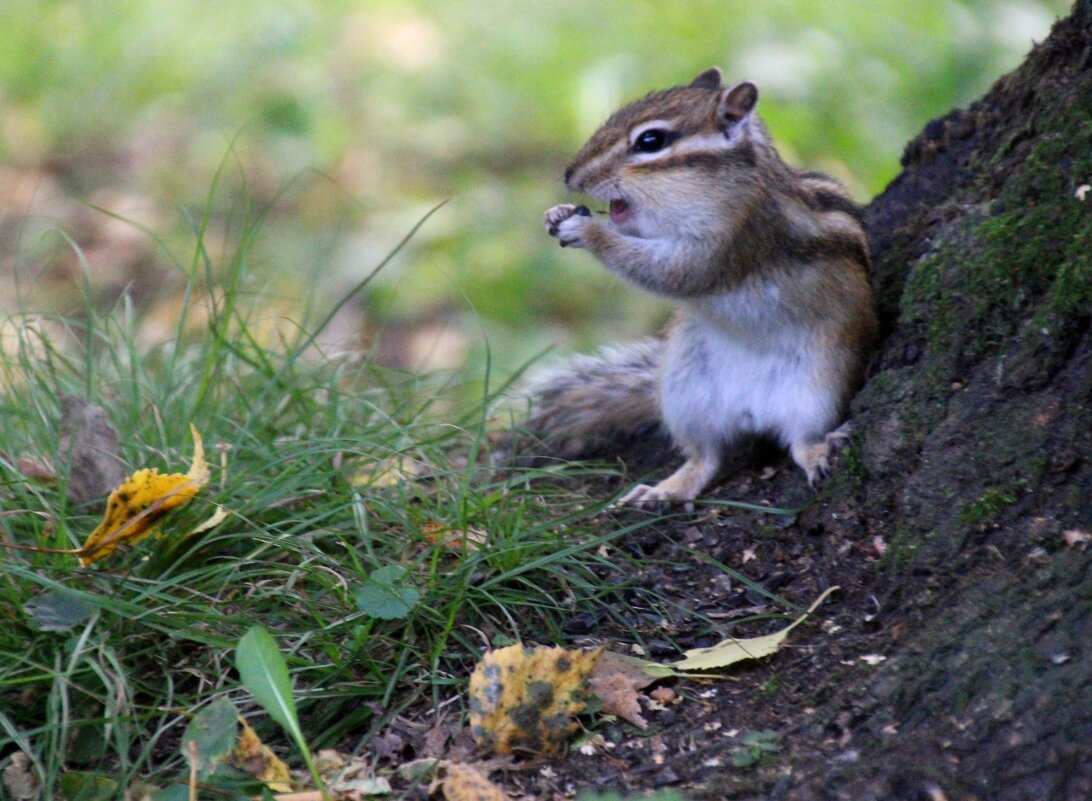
(1082, 190)
(733, 650)
(349, 777)
(352, 789)
(616, 680)
(254, 757)
(20, 780)
(328, 762)
(748, 556)
(388, 746)
(35, 469)
(142, 500)
(89, 445)
(387, 472)
(418, 770)
(455, 539)
(217, 517)
(436, 740)
(664, 695)
(467, 783)
(873, 659)
(619, 698)
(524, 698)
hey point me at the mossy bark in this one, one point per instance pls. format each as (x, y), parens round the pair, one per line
(973, 456)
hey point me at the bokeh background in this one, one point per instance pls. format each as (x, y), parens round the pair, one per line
(141, 140)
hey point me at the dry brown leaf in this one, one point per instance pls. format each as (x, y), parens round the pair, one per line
(90, 445)
(20, 780)
(328, 762)
(455, 539)
(664, 695)
(35, 469)
(388, 745)
(467, 783)
(349, 777)
(436, 741)
(524, 698)
(619, 697)
(616, 680)
(140, 501)
(254, 757)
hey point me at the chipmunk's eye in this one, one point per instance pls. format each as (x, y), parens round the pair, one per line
(651, 140)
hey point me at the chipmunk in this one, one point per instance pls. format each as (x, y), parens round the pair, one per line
(769, 266)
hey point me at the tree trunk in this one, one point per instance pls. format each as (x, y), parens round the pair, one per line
(973, 457)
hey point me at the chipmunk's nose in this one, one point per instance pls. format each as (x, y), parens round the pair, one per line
(569, 174)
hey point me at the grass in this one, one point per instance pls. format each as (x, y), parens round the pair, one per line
(300, 445)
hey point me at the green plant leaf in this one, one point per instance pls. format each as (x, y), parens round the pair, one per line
(58, 610)
(263, 671)
(384, 596)
(172, 792)
(78, 786)
(213, 732)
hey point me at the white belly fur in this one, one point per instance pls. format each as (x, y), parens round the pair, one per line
(735, 365)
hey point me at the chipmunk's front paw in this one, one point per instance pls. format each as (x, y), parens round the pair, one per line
(567, 222)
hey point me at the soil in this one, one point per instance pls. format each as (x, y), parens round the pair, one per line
(954, 663)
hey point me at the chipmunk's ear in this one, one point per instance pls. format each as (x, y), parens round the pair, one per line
(735, 103)
(710, 79)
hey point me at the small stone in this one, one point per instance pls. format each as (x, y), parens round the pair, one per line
(584, 623)
(661, 648)
(664, 778)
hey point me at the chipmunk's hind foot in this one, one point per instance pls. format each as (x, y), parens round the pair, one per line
(684, 485)
(814, 456)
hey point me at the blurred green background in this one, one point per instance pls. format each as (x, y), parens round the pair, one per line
(340, 123)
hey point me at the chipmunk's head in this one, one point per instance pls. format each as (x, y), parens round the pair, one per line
(659, 153)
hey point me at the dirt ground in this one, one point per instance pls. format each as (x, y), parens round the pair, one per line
(954, 662)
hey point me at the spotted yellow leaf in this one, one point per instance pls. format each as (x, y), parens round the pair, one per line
(140, 501)
(525, 699)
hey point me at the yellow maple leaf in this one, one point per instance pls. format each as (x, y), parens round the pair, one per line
(140, 501)
(525, 699)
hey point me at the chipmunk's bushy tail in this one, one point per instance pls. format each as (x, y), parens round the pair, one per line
(583, 404)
